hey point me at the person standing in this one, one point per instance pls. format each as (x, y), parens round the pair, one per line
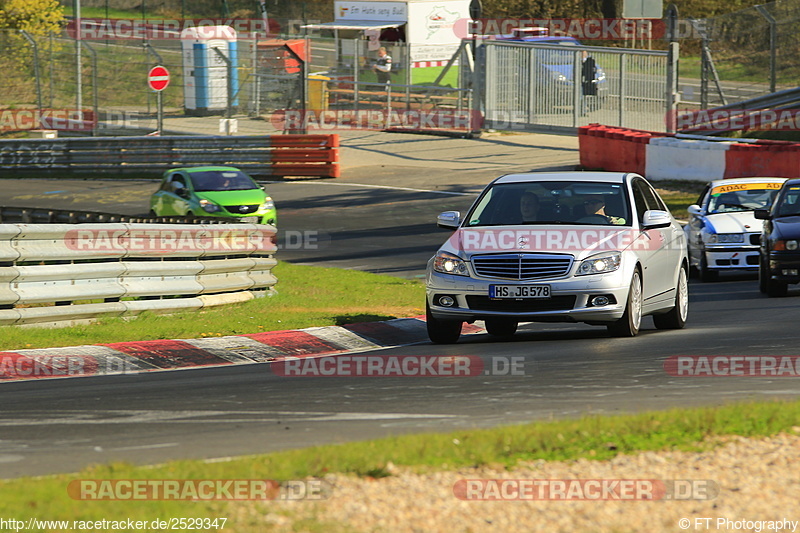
(383, 66)
(588, 80)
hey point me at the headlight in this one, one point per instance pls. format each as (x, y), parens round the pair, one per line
(209, 207)
(268, 205)
(785, 245)
(599, 264)
(450, 264)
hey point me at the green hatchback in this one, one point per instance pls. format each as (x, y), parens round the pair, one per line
(213, 192)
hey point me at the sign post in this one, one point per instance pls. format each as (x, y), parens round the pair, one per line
(158, 79)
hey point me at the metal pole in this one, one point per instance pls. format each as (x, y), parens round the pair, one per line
(773, 42)
(78, 62)
(35, 69)
(95, 101)
(160, 119)
(672, 86)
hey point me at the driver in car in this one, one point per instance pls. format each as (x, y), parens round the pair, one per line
(595, 205)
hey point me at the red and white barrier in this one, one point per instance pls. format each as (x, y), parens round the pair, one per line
(665, 156)
(685, 159)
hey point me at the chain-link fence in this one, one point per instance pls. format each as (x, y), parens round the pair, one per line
(84, 82)
(745, 54)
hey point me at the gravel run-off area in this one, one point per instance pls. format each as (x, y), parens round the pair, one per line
(740, 485)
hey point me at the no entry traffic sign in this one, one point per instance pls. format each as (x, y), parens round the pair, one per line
(158, 78)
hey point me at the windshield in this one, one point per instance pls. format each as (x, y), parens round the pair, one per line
(789, 203)
(222, 180)
(745, 197)
(551, 202)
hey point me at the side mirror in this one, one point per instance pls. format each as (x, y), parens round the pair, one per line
(695, 209)
(761, 214)
(449, 219)
(182, 192)
(655, 219)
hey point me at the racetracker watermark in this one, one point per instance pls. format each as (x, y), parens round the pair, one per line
(23, 366)
(47, 119)
(758, 366)
(18, 366)
(168, 240)
(97, 29)
(588, 29)
(585, 489)
(376, 119)
(484, 240)
(398, 366)
(735, 119)
(198, 489)
(305, 240)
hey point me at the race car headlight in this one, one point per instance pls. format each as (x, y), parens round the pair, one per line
(790, 245)
(209, 207)
(450, 264)
(268, 205)
(725, 238)
(599, 264)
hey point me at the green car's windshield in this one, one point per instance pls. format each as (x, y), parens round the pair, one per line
(552, 202)
(221, 180)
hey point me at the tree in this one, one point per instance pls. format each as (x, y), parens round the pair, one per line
(37, 17)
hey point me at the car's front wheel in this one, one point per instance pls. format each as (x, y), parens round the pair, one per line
(776, 289)
(675, 318)
(628, 325)
(705, 273)
(500, 327)
(763, 276)
(442, 331)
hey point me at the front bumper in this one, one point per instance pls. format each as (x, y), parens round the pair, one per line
(785, 267)
(569, 300)
(732, 257)
(269, 217)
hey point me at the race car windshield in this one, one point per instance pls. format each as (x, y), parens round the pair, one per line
(743, 200)
(221, 181)
(551, 202)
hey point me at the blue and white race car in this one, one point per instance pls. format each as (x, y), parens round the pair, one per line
(722, 233)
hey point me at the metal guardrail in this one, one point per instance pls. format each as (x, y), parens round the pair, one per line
(57, 273)
(787, 99)
(37, 215)
(268, 155)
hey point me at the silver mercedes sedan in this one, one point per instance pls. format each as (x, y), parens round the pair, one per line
(594, 247)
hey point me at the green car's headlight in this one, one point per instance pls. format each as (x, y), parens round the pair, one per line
(209, 207)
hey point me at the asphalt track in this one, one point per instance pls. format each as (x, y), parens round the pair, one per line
(62, 425)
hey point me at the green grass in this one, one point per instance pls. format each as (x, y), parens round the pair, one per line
(733, 71)
(592, 437)
(678, 195)
(307, 296)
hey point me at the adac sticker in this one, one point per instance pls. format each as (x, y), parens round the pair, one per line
(733, 187)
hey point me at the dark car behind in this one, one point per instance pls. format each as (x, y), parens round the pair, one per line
(779, 259)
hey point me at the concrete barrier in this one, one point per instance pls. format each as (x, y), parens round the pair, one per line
(688, 157)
